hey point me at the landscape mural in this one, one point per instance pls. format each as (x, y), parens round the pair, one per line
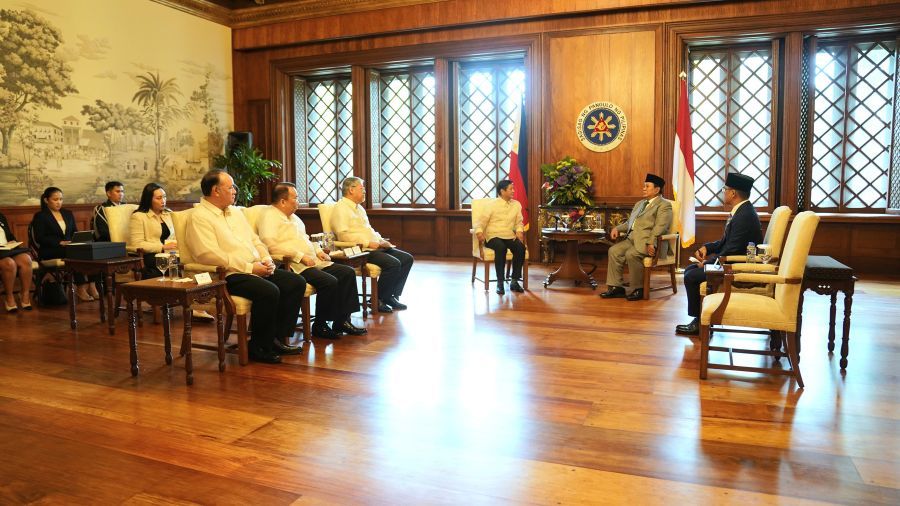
(94, 90)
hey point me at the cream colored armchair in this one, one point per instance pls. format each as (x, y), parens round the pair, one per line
(368, 271)
(775, 234)
(252, 215)
(672, 241)
(234, 306)
(118, 218)
(485, 255)
(777, 314)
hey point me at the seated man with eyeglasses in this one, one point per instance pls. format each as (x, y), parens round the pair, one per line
(351, 224)
(284, 233)
(219, 235)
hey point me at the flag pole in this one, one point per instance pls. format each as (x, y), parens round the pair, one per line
(678, 268)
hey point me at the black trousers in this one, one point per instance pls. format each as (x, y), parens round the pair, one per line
(500, 247)
(276, 305)
(395, 266)
(336, 294)
(694, 276)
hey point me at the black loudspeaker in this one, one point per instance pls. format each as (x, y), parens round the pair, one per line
(237, 138)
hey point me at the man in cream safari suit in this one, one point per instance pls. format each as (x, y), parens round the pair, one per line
(650, 218)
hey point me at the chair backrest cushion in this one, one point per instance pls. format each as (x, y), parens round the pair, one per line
(325, 209)
(252, 214)
(479, 207)
(119, 218)
(180, 220)
(777, 229)
(793, 259)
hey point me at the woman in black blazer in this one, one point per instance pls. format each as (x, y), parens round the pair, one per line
(14, 261)
(52, 228)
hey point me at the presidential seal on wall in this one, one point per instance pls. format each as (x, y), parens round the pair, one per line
(601, 126)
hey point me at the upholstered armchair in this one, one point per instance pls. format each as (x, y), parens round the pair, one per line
(775, 234)
(252, 215)
(485, 255)
(368, 271)
(118, 218)
(777, 314)
(668, 244)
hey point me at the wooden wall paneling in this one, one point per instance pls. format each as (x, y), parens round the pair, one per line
(441, 15)
(617, 66)
(260, 121)
(418, 234)
(534, 126)
(875, 247)
(460, 237)
(442, 128)
(790, 136)
(775, 149)
(361, 145)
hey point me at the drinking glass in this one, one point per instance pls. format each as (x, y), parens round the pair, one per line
(564, 222)
(764, 254)
(162, 263)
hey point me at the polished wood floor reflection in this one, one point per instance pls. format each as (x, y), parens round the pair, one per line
(549, 397)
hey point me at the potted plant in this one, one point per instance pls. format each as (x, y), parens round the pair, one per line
(248, 168)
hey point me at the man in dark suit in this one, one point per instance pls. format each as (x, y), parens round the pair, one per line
(741, 228)
(650, 218)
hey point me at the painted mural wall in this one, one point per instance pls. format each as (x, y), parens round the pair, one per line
(98, 90)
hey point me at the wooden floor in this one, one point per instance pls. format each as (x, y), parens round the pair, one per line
(549, 397)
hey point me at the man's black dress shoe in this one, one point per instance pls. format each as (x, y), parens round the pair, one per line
(515, 286)
(325, 332)
(614, 292)
(395, 303)
(350, 329)
(501, 288)
(283, 349)
(636, 295)
(691, 329)
(265, 357)
(384, 308)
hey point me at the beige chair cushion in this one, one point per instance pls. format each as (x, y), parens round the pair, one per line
(748, 310)
(252, 214)
(53, 263)
(119, 219)
(478, 209)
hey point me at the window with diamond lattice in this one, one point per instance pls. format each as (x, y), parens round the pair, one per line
(855, 90)
(404, 139)
(323, 137)
(488, 101)
(732, 103)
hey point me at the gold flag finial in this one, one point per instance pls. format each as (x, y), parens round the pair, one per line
(682, 75)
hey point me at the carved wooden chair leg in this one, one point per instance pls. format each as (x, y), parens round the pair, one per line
(487, 277)
(243, 356)
(672, 278)
(474, 268)
(790, 344)
(525, 274)
(704, 350)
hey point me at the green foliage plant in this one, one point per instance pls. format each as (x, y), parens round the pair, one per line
(249, 169)
(567, 183)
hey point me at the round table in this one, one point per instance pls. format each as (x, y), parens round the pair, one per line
(570, 268)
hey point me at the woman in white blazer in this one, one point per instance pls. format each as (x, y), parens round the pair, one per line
(151, 228)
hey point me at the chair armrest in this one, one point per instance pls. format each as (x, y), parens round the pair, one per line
(669, 237)
(765, 278)
(751, 268)
(194, 267)
(346, 244)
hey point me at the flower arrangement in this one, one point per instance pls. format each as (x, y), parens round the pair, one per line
(567, 183)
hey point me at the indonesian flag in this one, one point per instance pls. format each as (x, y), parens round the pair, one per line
(518, 164)
(683, 171)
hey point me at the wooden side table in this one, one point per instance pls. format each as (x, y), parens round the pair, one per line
(826, 276)
(359, 261)
(108, 267)
(570, 268)
(173, 293)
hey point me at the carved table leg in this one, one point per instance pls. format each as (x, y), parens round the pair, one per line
(110, 304)
(186, 350)
(73, 321)
(845, 341)
(132, 337)
(831, 315)
(167, 335)
(220, 331)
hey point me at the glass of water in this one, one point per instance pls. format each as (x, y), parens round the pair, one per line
(764, 253)
(162, 263)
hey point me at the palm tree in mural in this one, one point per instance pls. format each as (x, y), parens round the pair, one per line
(160, 102)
